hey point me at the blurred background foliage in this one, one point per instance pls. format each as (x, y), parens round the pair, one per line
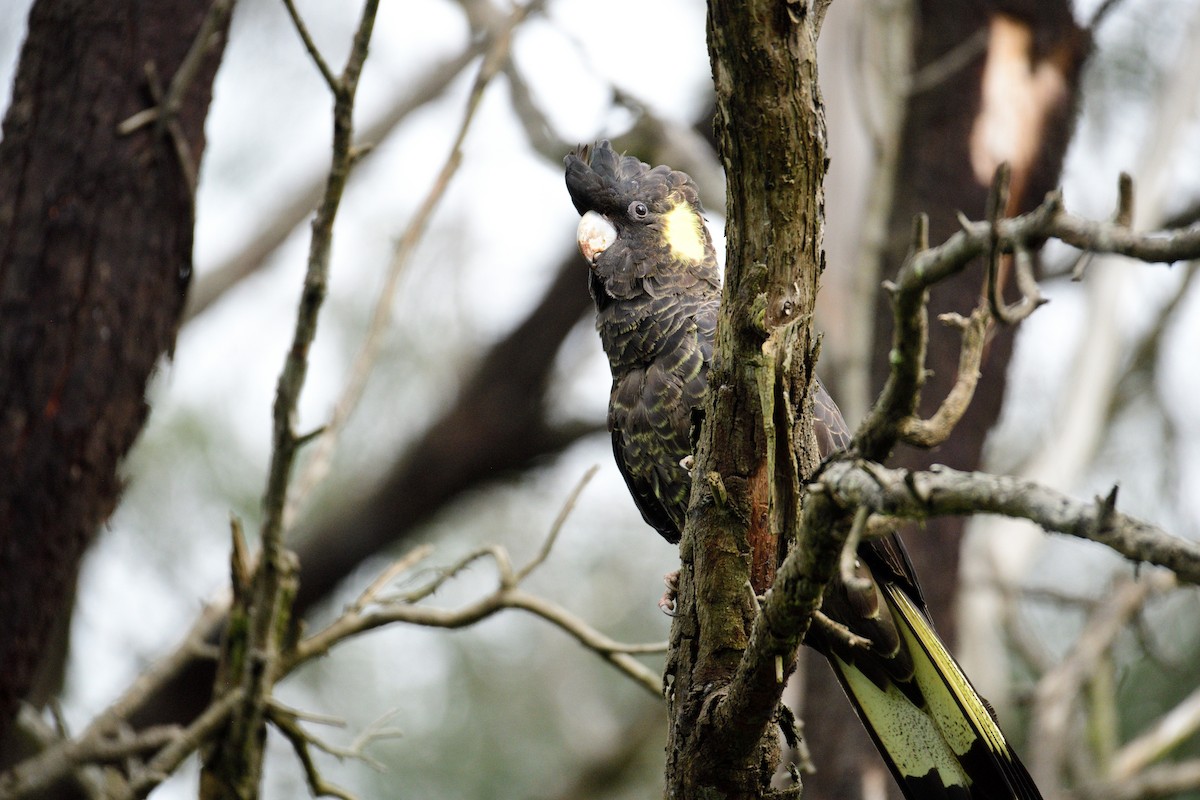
(512, 707)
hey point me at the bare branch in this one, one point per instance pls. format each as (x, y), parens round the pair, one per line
(997, 202)
(926, 266)
(321, 458)
(1058, 691)
(357, 621)
(262, 614)
(538, 130)
(1145, 353)
(372, 611)
(370, 595)
(369, 611)
(840, 631)
(314, 52)
(191, 738)
(170, 101)
(936, 429)
(288, 723)
(559, 521)
(849, 560)
(942, 491)
(1164, 780)
(302, 200)
(958, 58)
(59, 760)
(1167, 731)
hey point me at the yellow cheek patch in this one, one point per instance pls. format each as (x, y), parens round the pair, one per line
(684, 232)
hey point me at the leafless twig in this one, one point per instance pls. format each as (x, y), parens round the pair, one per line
(942, 491)
(62, 758)
(287, 722)
(167, 760)
(314, 52)
(168, 101)
(1160, 738)
(1058, 690)
(321, 457)
(935, 430)
(374, 610)
(99, 742)
(261, 613)
(926, 266)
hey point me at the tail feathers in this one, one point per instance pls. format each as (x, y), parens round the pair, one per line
(947, 746)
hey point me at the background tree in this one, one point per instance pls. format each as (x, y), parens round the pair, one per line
(976, 85)
(95, 256)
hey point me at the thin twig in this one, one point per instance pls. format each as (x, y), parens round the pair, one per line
(395, 569)
(332, 81)
(507, 595)
(252, 651)
(302, 199)
(321, 457)
(299, 739)
(924, 267)
(57, 761)
(169, 123)
(1140, 366)
(1164, 735)
(169, 101)
(196, 734)
(937, 429)
(950, 63)
(1031, 298)
(839, 631)
(558, 523)
(1100, 14)
(1058, 691)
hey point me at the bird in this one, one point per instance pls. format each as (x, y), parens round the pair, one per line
(656, 284)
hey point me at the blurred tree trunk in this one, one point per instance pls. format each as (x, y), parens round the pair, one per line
(95, 259)
(992, 82)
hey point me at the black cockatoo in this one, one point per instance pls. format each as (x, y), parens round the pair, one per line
(654, 278)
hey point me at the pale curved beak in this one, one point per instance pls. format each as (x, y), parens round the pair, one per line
(595, 234)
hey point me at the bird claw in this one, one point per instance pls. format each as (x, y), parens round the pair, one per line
(667, 602)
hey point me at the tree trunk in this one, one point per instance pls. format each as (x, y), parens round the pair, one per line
(771, 129)
(95, 259)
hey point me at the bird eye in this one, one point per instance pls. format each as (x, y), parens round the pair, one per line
(638, 210)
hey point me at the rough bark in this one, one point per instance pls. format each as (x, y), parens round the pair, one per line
(95, 258)
(943, 169)
(770, 127)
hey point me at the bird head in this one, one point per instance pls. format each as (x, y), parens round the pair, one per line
(642, 228)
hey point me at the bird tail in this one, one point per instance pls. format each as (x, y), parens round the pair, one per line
(936, 733)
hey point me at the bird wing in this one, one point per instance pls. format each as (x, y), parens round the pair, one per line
(650, 412)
